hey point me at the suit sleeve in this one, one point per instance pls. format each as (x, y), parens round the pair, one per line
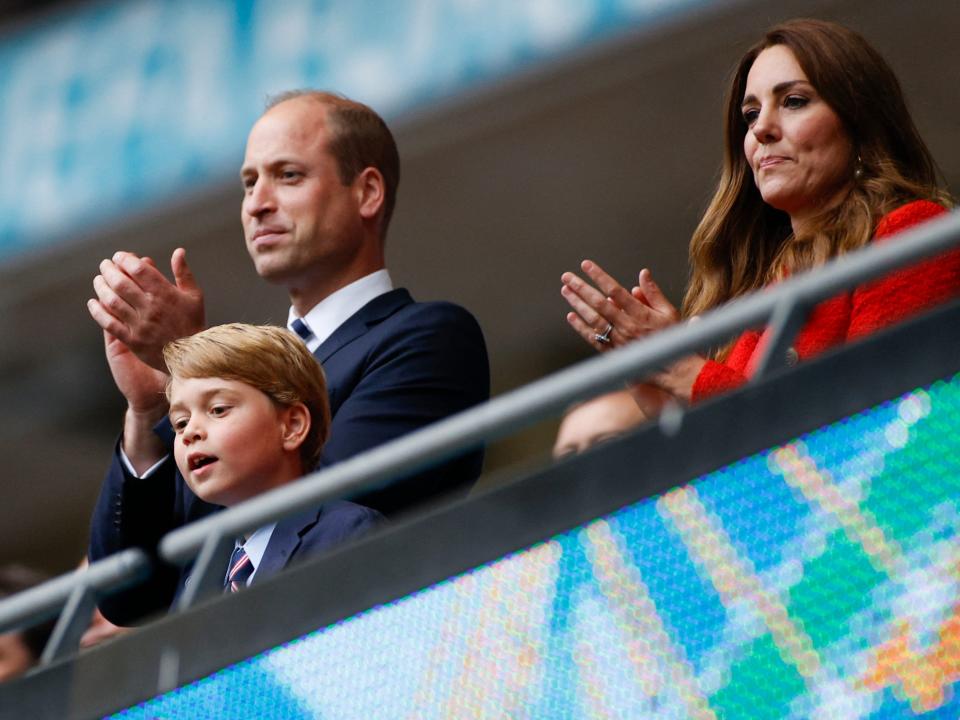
(874, 305)
(908, 291)
(715, 378)
(430, 363)
(720, 377)
(134, 512)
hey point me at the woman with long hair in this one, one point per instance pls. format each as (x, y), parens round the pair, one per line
(821, 157)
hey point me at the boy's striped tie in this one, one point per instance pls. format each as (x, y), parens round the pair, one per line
(241, 568)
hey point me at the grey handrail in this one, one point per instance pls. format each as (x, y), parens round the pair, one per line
(541, 398)
(46, 600)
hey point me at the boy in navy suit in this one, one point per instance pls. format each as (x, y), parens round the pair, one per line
(249, 408)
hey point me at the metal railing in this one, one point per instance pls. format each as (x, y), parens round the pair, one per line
(72, 596)
(211, 539)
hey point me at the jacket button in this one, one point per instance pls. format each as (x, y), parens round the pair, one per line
(792, 356)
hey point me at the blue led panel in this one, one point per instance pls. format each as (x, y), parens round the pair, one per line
(818, 579)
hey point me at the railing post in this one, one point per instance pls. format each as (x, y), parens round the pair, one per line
(788, 317)
(72, 623)
(206, 577)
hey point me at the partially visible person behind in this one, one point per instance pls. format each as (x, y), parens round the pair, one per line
(596, 420)
(21, 650)
(100, 629)
(249, 408)
(821, 157)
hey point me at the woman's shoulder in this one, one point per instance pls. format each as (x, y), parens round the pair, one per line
(905, 216)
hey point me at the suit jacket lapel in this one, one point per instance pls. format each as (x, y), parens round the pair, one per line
(284, 542)
(372, 313)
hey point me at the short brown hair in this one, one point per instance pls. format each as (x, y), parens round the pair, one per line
(359, 139)
(271, 359)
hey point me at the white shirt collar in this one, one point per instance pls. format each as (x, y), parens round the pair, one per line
(256, 546)
(331, 312)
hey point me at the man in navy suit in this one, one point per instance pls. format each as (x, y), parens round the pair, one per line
(320, 178)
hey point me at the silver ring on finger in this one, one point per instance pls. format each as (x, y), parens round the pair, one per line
(604, 337)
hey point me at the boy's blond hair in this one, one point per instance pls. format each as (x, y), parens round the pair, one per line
(271, 359)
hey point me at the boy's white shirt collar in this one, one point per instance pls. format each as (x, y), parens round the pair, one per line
(331, 312)
(256, 545)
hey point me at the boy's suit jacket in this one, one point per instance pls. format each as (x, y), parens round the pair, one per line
(393, 367)
(308, 534)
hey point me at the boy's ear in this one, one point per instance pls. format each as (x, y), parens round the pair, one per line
(294, 426)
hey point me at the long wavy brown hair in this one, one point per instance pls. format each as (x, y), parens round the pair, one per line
(741, 244)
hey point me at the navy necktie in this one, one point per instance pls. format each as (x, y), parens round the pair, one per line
(301, 329)
(241, 568)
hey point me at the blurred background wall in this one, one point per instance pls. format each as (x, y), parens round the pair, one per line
(533, 133)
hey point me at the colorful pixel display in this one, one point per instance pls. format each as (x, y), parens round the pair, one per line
(818, 579)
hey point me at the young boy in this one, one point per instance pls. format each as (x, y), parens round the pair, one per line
(250, 411)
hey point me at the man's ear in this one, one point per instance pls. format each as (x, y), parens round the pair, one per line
(294, 426)
(371, 191)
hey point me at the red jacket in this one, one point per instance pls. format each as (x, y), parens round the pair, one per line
(853, 314)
